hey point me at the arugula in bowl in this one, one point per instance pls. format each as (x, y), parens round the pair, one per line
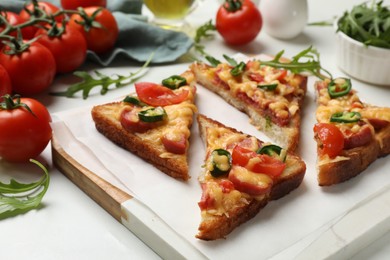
(367, 24)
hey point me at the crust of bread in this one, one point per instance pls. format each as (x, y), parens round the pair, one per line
(107, 124)
(356, 160)
(216, 227)
(287, 136)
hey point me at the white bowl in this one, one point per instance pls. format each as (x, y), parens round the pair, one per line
(366, 63)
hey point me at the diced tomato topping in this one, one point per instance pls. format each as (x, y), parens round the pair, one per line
(206, 202)
(176, 146)
(158, 95)
(282, 75)
(257, 77)
(226, 185)
(331, 139)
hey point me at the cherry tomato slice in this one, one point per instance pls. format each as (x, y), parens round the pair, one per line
(157, 95)
(331, 139)
(258, 163)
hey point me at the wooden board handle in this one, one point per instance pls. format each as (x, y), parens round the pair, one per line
(105, 194)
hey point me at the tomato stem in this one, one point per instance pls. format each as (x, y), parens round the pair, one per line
(232, 5)
(11, 103)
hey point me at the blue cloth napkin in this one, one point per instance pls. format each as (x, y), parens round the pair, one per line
(137, 39)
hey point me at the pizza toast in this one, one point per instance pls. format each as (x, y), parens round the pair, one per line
(271, 97)
(350, 134)
(232, 197)
(153, 123)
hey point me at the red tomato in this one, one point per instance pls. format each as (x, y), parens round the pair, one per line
(258, 163)
(330, 137)
(240, 26)
(206, 200)
(130, 121)
(14, 19)
(157, 95)
(174, 146)
(73, 4)
(24, 135)
(69, 49)
(252, 183)
(101, 38)
(5, 83)
(47, 7)
(30, 71)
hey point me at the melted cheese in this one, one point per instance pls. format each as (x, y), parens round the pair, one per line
(278, 101)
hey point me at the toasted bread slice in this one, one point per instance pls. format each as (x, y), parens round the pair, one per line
(228, 201)
(272, 98)
(151, 144)
(362, 140)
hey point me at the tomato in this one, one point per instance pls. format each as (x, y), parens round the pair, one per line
(69, 49)
(47, 7)
(14, 19)
(100, 39)
(158, 95)
(206, 200)
(249, 182)
(258, 163)
(173, 144)
(5, 83)
(30, 71)
(240, 26)
(331, 139)
(24, 135)
(73, 4)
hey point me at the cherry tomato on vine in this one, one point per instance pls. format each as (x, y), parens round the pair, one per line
(99, 27)
(67, 45)
(24, 134)
(5, 83)
(73, 4)
(14, 19)
(238, 21)
(31, 70)
(30, 11)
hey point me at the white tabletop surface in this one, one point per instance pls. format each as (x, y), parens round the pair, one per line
(70, 225)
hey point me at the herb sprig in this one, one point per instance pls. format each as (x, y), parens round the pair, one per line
(307, 60)
(89, 82)
(16, 197)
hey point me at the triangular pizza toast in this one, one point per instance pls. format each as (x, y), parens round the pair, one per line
(271, 97)
(240, 176)
(153, 123)
(350, 134)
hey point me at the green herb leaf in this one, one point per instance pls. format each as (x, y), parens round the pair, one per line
(88, 82)
(203, 32)
(307, 60)
(17, 197)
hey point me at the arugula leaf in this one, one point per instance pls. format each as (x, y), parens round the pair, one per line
(17, 197)
(203, 31)
(367, 24)
(307, 60)
(88, 82)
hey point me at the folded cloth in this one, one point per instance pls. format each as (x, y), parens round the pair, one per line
(137, 39)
